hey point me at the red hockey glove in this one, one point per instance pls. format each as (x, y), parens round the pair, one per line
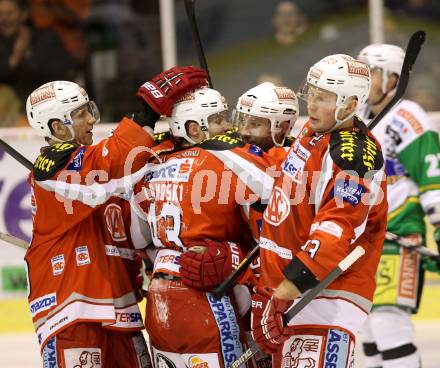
(267, 320)
(162, 91)
(207, 263)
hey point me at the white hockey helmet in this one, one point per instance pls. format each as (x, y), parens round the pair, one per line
(57, 100)
(388, 58)
(198, 105)
(342, 75)
(277, 104)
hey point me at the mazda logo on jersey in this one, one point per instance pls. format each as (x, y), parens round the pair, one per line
(278, 208)
(115, 222)
(43, 303)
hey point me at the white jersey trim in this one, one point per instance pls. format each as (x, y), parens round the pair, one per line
(331, 312)
(256, 179)
(274, 247)
(93, 194)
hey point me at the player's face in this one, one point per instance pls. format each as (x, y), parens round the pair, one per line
(218, 124)
(376, 93)
(321, 107)
(83, 121)
(255, 130)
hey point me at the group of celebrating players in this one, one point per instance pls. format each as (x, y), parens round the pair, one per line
(195, 200)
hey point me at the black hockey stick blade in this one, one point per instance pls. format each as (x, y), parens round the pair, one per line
(221, 290)
(412, 51)
(190, 13)
(18, 156)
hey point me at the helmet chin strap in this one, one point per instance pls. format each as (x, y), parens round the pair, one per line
(192, 141)
(385, 93)
(339, 122)
(72, 133)
(272, 134)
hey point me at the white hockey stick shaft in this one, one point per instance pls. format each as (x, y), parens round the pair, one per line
(401, 240)
(14, 240)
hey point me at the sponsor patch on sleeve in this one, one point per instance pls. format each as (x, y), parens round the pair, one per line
(82, 255)
(349, 191)
(255, 150)
(293, 166)
(330, 227)
(57, 264)
(77, 162)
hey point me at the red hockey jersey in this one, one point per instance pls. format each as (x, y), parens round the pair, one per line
(75, 260)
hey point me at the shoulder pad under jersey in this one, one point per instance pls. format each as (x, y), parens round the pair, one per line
(161, 137)
(53, 159)
(223, 142)
(356, 151)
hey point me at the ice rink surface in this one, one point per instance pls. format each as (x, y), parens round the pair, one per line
(20, 350)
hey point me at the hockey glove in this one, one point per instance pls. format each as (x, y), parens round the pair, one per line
(162, 91)
(267, 320)
(207, 263)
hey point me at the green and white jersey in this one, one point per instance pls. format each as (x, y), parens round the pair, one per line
(411, 149)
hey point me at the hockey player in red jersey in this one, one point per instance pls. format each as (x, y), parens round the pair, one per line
(198, 191)
(264, 117)
(80, 295)
(329, 198)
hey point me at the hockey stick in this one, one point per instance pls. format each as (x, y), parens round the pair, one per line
(190, 13)
(342, 266)
(412, 51)
(14, 240)
(404, 242)
(220, 290)
(15, 154)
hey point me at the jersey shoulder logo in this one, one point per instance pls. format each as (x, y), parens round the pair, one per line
(53, 159)
(355, 151)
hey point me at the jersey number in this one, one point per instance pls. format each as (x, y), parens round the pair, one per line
(433, 169)
(166, 225)
(311, 246)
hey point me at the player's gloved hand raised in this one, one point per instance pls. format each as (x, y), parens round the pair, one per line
(267, 320)
(162, 91)
(207, 263)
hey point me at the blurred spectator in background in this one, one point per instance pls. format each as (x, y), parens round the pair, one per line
(288, 22)
(66, 19)
(28, 58)
(123, 44)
